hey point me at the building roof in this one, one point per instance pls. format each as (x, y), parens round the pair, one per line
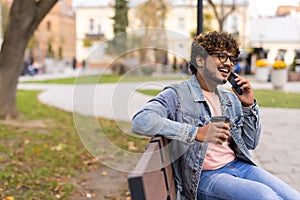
(275, 29)
(287, 10)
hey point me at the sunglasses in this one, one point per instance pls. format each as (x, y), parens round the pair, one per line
(223, 57)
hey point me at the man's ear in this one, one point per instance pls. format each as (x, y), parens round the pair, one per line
(199, 61)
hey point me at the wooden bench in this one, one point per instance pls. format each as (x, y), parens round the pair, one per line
(153, 176)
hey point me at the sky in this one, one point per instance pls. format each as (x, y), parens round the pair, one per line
(268, 7)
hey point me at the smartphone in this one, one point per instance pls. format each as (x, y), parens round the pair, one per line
(231, 80)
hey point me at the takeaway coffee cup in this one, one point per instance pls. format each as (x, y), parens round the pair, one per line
(220, 119)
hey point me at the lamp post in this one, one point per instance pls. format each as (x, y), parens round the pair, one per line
(199, 17)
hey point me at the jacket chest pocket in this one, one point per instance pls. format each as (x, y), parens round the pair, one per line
(194, 113)
(194, 120)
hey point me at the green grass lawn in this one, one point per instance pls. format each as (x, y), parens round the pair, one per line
(277, 99)
(105, 78)
(41, 153)
(265, 98)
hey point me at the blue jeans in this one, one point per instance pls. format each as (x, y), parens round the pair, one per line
(242, 181)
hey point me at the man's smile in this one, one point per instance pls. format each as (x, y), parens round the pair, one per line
(224, 70)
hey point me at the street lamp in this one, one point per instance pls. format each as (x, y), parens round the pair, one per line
(199, 17)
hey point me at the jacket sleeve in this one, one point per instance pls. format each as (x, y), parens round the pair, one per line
(251, 126)
(158, 117)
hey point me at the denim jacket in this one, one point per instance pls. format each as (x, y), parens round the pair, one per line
(177, 112)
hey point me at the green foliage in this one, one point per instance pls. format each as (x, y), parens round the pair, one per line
(293, 66)
(174, 66)
(31, 42)
(118, 44)
(60, 52)
(148, 70)
(208, 17)
(50, 52)
(121, 16)
(119, 68)
(87, 42)
(207, 22)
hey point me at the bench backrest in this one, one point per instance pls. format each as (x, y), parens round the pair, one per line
(153, 176)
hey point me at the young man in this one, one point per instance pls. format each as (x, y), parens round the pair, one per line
(211, 160)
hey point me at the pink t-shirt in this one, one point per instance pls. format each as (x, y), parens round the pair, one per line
(217, 155)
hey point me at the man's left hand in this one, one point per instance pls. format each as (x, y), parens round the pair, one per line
(247, 98)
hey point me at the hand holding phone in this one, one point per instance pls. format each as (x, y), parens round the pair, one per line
(234, 84)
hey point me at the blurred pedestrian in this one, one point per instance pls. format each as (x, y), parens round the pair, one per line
(83, 64)
(74, 63)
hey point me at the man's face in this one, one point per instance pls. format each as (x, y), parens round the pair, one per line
(218, 66)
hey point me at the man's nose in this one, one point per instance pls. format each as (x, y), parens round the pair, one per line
(228, 62)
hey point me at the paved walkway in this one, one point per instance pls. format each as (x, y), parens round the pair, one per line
(278, 151)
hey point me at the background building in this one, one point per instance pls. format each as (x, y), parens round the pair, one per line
(93, 25)
(280, 34)
(55, 36)
(94, 22)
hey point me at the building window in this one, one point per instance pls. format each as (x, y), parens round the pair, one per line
(91, 25)
(48, 26)
(181, 23)
(99, 29)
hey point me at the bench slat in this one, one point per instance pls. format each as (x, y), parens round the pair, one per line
(153, 176)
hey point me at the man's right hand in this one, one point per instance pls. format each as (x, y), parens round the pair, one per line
(216, 132)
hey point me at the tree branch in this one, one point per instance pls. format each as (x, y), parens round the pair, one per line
(214, 8)
(42, 8)
(29, 14)
(222, 17)
(233, 7)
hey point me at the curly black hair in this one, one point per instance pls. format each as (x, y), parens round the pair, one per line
(204, 44)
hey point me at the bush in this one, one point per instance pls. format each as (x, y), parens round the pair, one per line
(119, 68)
(147, 70)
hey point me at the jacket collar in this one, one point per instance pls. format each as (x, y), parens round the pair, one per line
(197, 93)
(195, 89)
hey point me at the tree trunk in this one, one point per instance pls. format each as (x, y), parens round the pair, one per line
(25, 15)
